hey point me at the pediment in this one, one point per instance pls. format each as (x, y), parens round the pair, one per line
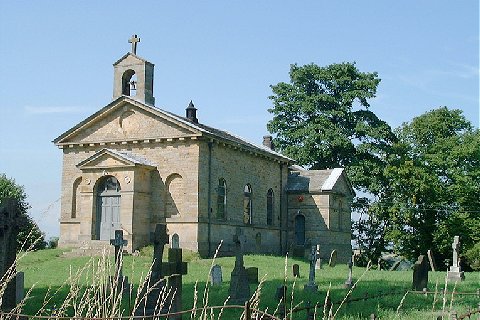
(107, 158)
(126, 119)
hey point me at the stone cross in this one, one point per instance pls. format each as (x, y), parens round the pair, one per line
(455, 273)
(118, 242)
(133, 40)
(159, 238)
(239, 289)
(175, 268)
(311, 285)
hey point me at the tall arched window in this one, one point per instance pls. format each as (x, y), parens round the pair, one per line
(76, 198)
(247, 204)
(270, 207)
(221, 198)
(175, 196)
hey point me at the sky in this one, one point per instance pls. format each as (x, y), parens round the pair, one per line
(56, 65)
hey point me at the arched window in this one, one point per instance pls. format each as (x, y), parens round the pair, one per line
(129, 83)
(76, 197)
(221, 198)
(175, 195)
(300, 229)
(247, 204)
(270, 207)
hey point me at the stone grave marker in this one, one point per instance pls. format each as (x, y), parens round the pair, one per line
(333, 258)
(175, 241)
(311, 285)
(420, 274)
(176, 269)
(431, 259)
(252, 273)
(20, 287)
(10, 221)
(296, 270)
(455, 273)
(118, 280)
(318, 264)
(348, 283)
(281, 296)
(216, 275)
(239, 289)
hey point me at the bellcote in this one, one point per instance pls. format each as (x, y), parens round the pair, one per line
(133, 76)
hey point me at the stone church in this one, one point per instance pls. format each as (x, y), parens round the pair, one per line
(132, 165)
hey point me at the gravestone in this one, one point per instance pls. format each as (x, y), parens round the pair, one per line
(348, 283)
(296, 270)
(252, 273)
(19, 287)
(333, 258)
(420, 274)
(431, 260)
(239, 289)
(311, 285)
(175, 268)
(318, 264)
(216, 275)
(281, 296)
(455, 273)
(119, 282)
(175, 241)
(10, 221)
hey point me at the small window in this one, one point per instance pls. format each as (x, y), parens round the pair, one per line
(270, 207)
(221, 199)
(247, 204)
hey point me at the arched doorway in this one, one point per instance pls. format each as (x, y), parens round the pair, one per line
(300, 230)
(108, 208)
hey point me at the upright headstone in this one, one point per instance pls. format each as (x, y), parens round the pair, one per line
(20, 287)
(119, 281)
(349, 282)
(333, 258)
(252, 273)
(239, 289)
(175, 241)
(216, 275)
(10, 221)
(311, 285)
(296, 270)
(420, 274)
(455, 273)
(431, 259)
(318, 264)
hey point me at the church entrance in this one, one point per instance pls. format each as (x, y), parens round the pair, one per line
(108, 208)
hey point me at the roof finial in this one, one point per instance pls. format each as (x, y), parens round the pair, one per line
(133, 40)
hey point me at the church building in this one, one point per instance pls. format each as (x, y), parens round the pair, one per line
(132, 165)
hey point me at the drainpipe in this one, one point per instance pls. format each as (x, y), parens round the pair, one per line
(209, 197)
(281, 212)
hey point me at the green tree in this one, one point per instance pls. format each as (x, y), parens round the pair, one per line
(321, 119)
(29, 235)
(433, 185)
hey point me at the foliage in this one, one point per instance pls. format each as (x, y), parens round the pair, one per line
(473, 256)
(29, 234)
(433, 185)
(321, 119)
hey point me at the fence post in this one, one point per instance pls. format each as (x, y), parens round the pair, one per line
(248, 312)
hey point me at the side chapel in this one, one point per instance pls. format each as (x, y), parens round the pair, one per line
(132, 165)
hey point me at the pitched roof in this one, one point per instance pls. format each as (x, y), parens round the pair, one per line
(128, 157)
(314, 181)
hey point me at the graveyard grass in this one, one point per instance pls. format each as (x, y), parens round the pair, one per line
(47, 271)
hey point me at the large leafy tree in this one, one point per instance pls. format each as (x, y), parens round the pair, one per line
(322, 120)
(29, 236)
(433, 185)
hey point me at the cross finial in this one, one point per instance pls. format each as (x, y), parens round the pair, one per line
(133, 40)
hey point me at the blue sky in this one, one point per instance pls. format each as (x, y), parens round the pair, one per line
(57, 69)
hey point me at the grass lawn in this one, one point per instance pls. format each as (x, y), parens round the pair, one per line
(47, 271)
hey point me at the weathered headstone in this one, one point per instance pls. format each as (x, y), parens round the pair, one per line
(318, 264)
(348, 283)
(216, 275)
(239, 289)
(455, 273)
(311, 285)
(296, 270)
(431, 259)
(175, 241)
(252, 273)
(420, 274)
(333, 258)
(119, 281)
(20, 287)
(10, 221)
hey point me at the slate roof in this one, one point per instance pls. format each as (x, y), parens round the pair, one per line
(309, 181)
